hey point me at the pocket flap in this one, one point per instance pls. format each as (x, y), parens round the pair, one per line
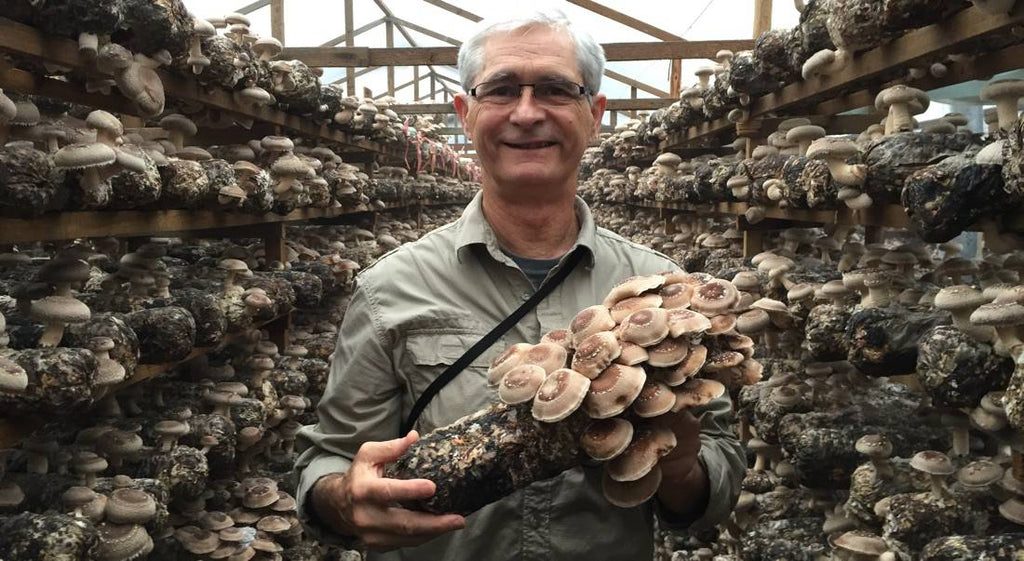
(432, 349)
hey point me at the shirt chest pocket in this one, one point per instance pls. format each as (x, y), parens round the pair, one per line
(429, 354)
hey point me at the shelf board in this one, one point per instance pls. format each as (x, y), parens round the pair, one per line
(23, 40)
(887, 216)
(137, 223)
(856, 85)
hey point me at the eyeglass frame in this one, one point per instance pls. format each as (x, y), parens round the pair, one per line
(584, 91)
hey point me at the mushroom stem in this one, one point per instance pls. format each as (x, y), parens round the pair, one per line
(847, 174)
(961, 441)
(1006, 108)
(90, 183)
(759, 461)
(52, 335)
(938, 486)
(88, 44)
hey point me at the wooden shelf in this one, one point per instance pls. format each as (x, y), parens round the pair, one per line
(886, 216)
(857, 84)
(19, 39)
(136, 223)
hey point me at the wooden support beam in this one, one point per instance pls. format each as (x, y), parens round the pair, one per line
(643, 104)
(350, 77)
(762, 17)
(277, 20)
(355, 33)
(248, 9)
(389, 37)
(433, 85)
(427, 32)
(357, 73)
(415, 82)
(675, 78)
(626, 20)
(455, 10)
(407, 56)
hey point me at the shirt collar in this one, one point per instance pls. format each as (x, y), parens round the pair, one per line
(475, 230)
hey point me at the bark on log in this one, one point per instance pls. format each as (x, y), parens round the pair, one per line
(488, 455)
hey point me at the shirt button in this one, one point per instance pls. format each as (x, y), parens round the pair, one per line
(526, 296)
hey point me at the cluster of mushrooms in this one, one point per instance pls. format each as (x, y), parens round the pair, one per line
(888, 421)
(56, 161)
(602, 389)
(196, 463)
(828, 37)
(946, 177)
(127, 41)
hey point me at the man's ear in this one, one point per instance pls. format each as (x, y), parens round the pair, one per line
(461, 103)
(597, 107)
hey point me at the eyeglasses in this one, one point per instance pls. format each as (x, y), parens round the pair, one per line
(547, 92)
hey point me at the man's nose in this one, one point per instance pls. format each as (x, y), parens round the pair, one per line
(527, 111)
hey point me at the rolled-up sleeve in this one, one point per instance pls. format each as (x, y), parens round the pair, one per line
(723, 461)
(362, 403)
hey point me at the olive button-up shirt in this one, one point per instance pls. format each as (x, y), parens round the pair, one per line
(416, 311)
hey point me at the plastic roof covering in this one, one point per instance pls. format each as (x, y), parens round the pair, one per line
(313, 22)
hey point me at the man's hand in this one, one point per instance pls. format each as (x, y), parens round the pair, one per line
(684, 485)
(362, 503)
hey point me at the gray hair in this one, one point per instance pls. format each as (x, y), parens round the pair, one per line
(589, 53)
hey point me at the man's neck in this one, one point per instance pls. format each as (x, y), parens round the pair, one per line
(541, 230)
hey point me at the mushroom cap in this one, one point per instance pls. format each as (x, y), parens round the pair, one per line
(646, 327)
(101, 120)
(668, 159)
(613, 390)
(979, 474)
(520, 384)
(171, 428)
(874, 446)
(714, 297)
(259, 496)
(506, 361)
(277, 143)
(548, 356)
(81, 156)
(233, 265)
(193, 153)
(832, 147)
(267, 44)
(899, 93)
(649, 444)
(676, 295)
(1013, 510)
(197, 540)
(633, 286)
(560, 337)
(998, 315)
(628, 494)
(13, 377)
(595, 353)
(932, 463)
(59, 309)
(604, 439)
(626, 306)
(686, 368)
(805, 132)
(753, 321)
(216, 521)
(696, 392)
(1002, 88)
(631, 354)
(861, 544)
(959, 297)
(130, 506)
(122, 542)
(588, 321)
(178, 123)
(560, 395)
(273, 524)
(77, 496)
(654, 399)
(682, 321)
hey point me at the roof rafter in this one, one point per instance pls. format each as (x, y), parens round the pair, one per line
(455, 10)
(628, 21)
(356, 32)
(425, 31)
(250, 8)
(635, 83)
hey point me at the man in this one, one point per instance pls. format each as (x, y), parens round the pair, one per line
(531, 108)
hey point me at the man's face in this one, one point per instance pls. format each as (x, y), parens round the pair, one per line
(529, 147)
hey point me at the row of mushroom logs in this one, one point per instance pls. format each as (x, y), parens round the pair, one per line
(628, 362)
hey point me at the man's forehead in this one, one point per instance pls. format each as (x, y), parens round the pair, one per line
(510, 55)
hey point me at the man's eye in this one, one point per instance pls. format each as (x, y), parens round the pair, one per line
(507, 90)
(557, 90)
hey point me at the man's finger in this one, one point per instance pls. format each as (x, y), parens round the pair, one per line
(386, 451)
(405, 522)
(386, 491)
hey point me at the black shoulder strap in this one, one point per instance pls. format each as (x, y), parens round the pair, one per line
(484, 343)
